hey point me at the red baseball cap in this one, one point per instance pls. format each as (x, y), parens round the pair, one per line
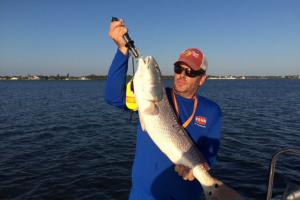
(193, 58)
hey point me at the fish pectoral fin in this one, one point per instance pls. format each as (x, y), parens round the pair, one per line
(143, 124)
(151, 109)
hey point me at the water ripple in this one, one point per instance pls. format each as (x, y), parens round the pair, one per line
(60, 140)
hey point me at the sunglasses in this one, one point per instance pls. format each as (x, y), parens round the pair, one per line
(188, 71)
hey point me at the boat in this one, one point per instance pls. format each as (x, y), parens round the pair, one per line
(292, 191)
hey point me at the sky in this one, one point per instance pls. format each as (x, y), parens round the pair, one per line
(50, 37)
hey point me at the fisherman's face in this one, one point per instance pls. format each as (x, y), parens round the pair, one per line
(187, 86)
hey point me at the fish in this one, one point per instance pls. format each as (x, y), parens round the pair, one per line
(159, 120)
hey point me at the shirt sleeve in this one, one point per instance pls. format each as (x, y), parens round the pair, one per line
(115, 87)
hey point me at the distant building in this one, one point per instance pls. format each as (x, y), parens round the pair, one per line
(230, 77)
(35, 78)
(13, 78)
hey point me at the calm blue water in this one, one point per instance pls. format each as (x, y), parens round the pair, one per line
(59, 139)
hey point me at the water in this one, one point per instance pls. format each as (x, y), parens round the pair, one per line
(60, 140)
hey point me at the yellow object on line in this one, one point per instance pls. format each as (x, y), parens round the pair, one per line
(130, 98)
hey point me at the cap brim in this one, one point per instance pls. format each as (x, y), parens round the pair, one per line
(188, 63)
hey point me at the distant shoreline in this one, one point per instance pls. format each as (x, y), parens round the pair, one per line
(104, 77)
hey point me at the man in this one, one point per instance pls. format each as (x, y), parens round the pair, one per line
(154, 175)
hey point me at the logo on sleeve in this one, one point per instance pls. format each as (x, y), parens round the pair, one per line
(201, 121)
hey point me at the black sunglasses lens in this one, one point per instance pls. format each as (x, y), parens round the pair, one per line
(191, 73)
(188, 72)
(178, 69)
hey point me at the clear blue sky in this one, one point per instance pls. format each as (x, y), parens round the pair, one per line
(52, 37)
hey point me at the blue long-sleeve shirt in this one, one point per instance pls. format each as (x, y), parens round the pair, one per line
(153, 175)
